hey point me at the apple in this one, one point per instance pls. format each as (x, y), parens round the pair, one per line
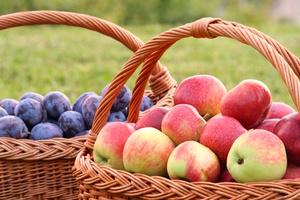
(249, 102)
(182, 123)
(257, 155)
(279, 110)
(268, 124)
(108, 147)
(147, 151)
(219, 133)
(153, 118)
(204, 92)
(193, 161)
(288, 130)
(225, 176)
(292, 172)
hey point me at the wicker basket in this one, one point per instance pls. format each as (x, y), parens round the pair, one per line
(100, 182)
(42, 169)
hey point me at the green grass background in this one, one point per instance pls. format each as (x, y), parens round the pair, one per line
(74, 60)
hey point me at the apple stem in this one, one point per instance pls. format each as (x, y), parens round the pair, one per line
(240, 161)
(206, 116)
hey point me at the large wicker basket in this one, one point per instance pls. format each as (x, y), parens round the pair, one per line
(42, 169)
(100, 182)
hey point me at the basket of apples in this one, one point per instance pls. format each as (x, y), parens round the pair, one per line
(41, 134)
(211, 144)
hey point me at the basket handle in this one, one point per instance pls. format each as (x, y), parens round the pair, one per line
(43, 17)
(284, 61)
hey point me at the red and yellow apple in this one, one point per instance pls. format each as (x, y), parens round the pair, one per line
(193, 161)
(182, 123)
(279, 110)
(108, 147)
(153, 118)
(204, 92)
(147, 151)
(257, 155)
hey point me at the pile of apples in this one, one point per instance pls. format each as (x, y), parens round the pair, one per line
(210, 134)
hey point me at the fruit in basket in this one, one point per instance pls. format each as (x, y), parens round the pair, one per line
(219, 133)
(9, 105)
(268, 124)
(109, 145)
(288, 130)
(249, 102)
(193, 161)
(12, 126)
(56, 103)
(116, 117)
(33, 95)
(71, 122)
(45, 130)
(257, 155)
(204, 92)
(225, 176)
(292, 172)
(77, 105)
(89, 108)
(182, 123)
(152, 119)
(3, 112)
(279, 110)
(146, 103)
(147, 151)
(122, 100)
(30, 111)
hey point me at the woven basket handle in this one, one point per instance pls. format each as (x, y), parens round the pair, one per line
(285, 62)
(104, 27)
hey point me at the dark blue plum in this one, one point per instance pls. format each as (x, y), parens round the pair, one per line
(85, 132)
(116, 117)
(9, 105)
(89, 108)
(77, 106)
(122, 100)
(3, 112)
(71, 122)
(146, 103)
(55, 103)
(45, 130)
(12, 126)
(30, 111)
(32, 95)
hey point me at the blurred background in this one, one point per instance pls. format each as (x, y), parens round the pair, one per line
(136, 12)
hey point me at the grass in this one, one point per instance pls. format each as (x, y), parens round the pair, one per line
(73, 60)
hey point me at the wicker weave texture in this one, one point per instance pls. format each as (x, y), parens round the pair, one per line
(100, 182)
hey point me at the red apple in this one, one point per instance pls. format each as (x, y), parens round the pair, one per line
(279, 110)
(153, 118)
(219, 133)
(249, 102)
(257, 155)
(225, 176)
(108, 147)
(204, 92)
(182, 123)
(268, 124)
(292, 172)
(193, 161)
(288, 130)
(147, 151)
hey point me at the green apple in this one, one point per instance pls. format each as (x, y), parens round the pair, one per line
(147, 151)
(257, 155)
(193, 161)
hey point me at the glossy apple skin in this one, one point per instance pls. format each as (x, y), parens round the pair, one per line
(292, 172)
(193, 161)
(257, 155)
(279, 110)
(152, 119)
(248, 102)
(219, 133)
(204, 92)
(288, 130)
(268, 124)
(182, 123)
(147, 151)
(108, 147)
